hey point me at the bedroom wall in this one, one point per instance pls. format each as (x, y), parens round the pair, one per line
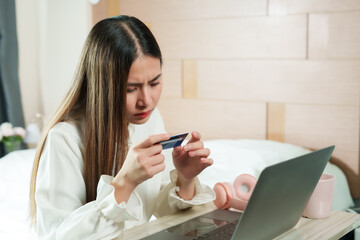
(65, 26)
(284, 70)
(51, 34)
(28, 44)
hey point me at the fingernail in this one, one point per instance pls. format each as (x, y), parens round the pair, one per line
(186, 148)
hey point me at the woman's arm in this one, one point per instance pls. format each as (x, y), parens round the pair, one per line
(62, 211)
(142, 162)
(190, 161)
(186, 187)
(169, 200)
(177, 192)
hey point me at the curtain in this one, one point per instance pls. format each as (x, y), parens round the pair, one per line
(10, 98)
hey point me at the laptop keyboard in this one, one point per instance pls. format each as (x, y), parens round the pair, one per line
(222, 233)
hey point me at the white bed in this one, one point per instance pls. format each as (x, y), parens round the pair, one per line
(231, 158)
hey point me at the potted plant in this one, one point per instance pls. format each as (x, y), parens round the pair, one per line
(11, 137)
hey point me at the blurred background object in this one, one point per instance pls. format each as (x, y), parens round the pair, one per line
(33, 131)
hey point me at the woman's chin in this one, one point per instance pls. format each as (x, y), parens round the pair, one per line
(138, 120)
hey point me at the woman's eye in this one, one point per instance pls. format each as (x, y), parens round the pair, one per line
(154, 84)
(130, 90)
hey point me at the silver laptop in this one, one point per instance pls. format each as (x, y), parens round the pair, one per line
(275, 206)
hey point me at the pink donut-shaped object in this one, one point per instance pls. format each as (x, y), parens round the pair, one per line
(238, 203)
(244, 179)
(221, 197)
(230, 192)
(224, 192)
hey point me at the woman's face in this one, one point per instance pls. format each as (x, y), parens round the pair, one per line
(143, 89)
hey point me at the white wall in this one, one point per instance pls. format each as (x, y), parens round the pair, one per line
(51, 34)
(28, 43)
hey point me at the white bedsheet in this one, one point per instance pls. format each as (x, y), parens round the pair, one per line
(231, 158)
(15, 171)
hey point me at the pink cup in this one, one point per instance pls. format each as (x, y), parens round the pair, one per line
(319, 205)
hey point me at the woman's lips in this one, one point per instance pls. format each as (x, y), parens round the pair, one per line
(143, 114)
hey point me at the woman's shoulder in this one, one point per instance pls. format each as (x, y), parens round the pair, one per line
(65, 128)
(69, 133)
(62, 158)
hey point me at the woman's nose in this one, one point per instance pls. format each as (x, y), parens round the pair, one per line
(144, 98)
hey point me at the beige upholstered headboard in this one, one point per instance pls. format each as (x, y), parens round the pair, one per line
(260, 69)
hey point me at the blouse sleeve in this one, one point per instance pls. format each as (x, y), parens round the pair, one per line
(60, 194)
(169, 201)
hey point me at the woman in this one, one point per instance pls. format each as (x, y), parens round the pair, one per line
(99, 168)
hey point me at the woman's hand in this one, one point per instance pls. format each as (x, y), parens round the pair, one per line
(142, 162)
(189, 161)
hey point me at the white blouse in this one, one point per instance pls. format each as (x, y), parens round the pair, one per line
(62, 212)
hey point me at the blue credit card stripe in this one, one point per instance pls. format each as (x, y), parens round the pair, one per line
(171, 145)
(171, 141)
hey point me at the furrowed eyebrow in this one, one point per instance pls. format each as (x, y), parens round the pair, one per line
(155, 78)
(140, 84)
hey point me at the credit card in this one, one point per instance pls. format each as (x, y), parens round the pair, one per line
(174, 141)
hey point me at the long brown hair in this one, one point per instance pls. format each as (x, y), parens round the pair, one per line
(98, 97)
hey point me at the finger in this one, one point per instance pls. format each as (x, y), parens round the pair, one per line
(194, 146)
(156, 169)
(207, 160)
(195, 136)
(177, 151)
(156, 160)
(153, 150)
(204, 152)
(153, 140)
